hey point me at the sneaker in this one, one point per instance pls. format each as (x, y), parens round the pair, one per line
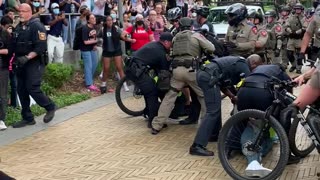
(103, 89)
(255, 169)
(23, 123)
(2, 126)
(93, 88)
(125, 87)
(101, 75)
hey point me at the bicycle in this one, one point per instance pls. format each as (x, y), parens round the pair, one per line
(230, 135)
(137, 105)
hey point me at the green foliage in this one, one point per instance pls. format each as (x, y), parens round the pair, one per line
(57, 73)
(47, 89)
(61, 100)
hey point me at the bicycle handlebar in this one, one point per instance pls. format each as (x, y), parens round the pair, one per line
(281, 84)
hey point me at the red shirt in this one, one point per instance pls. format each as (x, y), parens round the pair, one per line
(140, 35)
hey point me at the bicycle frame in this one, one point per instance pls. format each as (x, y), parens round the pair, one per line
(305, 124)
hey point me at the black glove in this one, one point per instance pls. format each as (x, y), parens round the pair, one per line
(21, 61)
(290, 111)
(277, 52)
(301, 57)
(230, 45)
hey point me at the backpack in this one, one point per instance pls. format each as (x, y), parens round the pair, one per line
(220, 50)
(78, 38)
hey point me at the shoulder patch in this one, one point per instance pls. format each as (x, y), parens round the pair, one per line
(42, 36)
(254, 29)
(263, 33)
(278, 28)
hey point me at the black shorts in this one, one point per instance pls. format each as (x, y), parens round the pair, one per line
(112, 54)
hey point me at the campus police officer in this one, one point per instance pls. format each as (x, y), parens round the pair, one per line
(274, 43)
(241, 36)
(30, 56)
(152, 56)
(186, 46)
(202, 14)
(295, 28)
(257, 20)
(212, 78)
(255, 94)
(284, 15)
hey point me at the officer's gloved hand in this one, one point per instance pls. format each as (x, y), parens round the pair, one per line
(301, 57)
(291, 111)
(21, 61)
(277, 52)
(234, 99)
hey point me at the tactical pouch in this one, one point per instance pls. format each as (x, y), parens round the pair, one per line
(134, 69)
(164, 80)
(44, 58)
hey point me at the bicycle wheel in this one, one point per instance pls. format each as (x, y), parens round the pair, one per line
(131, 102)
(230, 150)
(300, 143)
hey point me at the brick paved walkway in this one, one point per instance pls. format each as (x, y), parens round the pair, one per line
(107, 144)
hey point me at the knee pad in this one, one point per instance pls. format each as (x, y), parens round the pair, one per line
(290, 55)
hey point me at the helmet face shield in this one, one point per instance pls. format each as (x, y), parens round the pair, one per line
(236, 13)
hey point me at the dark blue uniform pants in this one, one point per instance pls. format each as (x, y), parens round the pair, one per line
(211, 124)
(149, 89)
(29, 81)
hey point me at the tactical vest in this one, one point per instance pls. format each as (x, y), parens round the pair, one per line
(272, 39)
(23, 38)
(183, 46)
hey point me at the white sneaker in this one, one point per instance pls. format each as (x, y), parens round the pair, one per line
(2, 126)
(255, 169)
(125, 86)
(101, 75)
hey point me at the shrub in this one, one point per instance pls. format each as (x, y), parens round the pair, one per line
(57, 73)
(47, 89)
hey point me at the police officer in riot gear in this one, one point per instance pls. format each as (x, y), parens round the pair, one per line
(274, 43)
(174, 16)
(152, 56)
(257, 20)
(311, 51)
(202, 14)
(187, 45)
(284, 15)
(241, 36)
(213, 77)
(30, 48)
(295, 28)
(313, 30)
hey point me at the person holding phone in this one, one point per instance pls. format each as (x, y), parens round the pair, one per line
(55, 43)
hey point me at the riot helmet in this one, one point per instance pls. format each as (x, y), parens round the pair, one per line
(185, 23)
(270, 16)
(236, 13)
(309, 12)
(315, 3)
(255, 15)
(298, 8)
(174, 14)
(203, 11)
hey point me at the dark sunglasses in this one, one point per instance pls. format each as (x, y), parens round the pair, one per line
(173, 21)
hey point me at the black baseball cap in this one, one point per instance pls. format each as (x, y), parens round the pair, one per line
(166, 36)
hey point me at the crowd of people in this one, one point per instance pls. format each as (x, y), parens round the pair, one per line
(164, 40)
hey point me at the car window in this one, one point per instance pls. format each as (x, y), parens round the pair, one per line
(217, 16)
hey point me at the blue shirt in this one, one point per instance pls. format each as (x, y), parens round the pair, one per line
(67, 7)
(56, 29)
